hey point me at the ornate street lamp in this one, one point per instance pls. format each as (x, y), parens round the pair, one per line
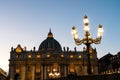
(87, 40)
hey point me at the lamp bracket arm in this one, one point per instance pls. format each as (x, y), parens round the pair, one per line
(97, 40)
(78, 41)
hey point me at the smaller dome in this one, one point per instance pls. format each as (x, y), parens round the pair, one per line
(50, 44)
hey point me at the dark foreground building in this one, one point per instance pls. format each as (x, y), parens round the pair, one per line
(3, 75)
(109, 64)
(49, 61)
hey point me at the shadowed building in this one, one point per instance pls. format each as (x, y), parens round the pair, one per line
(3, 75)
(109, 64)
(49, 61)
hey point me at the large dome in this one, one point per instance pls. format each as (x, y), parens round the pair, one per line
(50, 44)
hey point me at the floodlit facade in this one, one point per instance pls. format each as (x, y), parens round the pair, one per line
(49, 61)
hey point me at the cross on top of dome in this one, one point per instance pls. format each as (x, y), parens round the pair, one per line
(50, 35)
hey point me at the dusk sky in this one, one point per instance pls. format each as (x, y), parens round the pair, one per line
(27, 22)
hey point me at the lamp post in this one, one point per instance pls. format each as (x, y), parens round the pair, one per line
(87, 40)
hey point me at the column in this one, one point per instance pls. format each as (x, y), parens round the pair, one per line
(26, 70)
(12, 73)
(85, 70)
(45, 72)
(33, 72)
(68, 69)
(96, 70)
(51, 69)
(42, 70)
(65, 70)
(22, 74)
(59, 69)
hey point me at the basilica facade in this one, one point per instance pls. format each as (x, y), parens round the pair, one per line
(49, 61)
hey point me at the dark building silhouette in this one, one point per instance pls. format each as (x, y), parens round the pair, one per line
(109, 64)
(3, 74)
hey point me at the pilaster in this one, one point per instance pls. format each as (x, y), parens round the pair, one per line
(12, 73)
(22, 74)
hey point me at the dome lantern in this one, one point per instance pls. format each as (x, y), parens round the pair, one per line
(50, 44)
(50, 35)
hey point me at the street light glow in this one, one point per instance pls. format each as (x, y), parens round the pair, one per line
(86, 28)
(86, 23)
(85, 20)
(100, 31)
(87, 40)
(74, 32)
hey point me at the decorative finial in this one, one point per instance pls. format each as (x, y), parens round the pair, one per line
(50, 35)
(11, 48)
(50, 30)
(85, 16)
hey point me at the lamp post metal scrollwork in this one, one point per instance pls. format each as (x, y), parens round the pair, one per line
(87, 40)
